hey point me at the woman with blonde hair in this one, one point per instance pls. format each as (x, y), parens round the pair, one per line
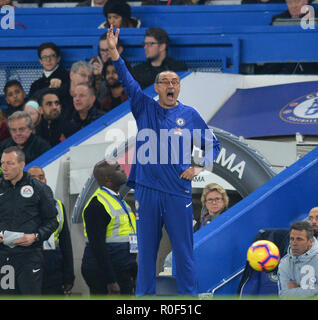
(214, 201)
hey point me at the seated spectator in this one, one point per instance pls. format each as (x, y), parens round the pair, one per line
(98, 62)
(214, 201)
(293, 15)
(171, 2)
(298, 269)
(313, 220)
(261, 1)
(156, 50)
(81, 72)
(116, 93)
(54, 75)
(118, 14)
(4, 132)
(32, 109)
(86, 109)
(21, 130)
(294, 10)
(92, 3)
(15, 97)
(52, 127)
(5, 3)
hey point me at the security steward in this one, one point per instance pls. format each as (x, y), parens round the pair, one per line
(58, 276)
(27, 218)
(109, 262)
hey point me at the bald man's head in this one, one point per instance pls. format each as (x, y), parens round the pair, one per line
(109, 174)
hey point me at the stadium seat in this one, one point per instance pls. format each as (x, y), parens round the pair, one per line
(264, 283)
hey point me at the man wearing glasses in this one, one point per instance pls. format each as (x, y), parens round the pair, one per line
(156, 47)
(54, 75)
(162, 174)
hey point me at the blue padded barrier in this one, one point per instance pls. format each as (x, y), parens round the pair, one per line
(220, 49)
(151, 16)
(220, 247)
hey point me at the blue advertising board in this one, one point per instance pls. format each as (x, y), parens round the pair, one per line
(270, 111)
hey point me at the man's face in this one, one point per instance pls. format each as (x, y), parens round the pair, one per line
(103, 50)
(153, 49)
(111, 77)
(83, 75)
(99, 3)
(4, 3)
(168, 89)
(37, 173)
(15, 96)
(313, 218)
(294, 7)
(82, 99)
(49, 59)
(19, 130)
(51, 107)
(12, 169)
(299, 243)
(116, 175)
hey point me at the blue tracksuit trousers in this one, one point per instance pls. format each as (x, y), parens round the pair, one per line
(155, 208)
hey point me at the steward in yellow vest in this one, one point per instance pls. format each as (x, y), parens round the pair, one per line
(58, 275)
(109, 262)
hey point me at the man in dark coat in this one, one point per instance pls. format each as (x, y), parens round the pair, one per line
(156, 47)
(21, 130)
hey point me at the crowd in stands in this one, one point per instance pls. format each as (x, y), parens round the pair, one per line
(62, 102)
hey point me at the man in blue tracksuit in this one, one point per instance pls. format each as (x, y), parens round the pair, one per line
(162, 172)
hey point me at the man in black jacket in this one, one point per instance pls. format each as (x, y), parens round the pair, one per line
(54, 75)
(294, 11)
(156, 48)
(27, 218)
(21, 126)
(109, 261)
(58, 277)
(15, 97)
(53, 124)
(86, 108)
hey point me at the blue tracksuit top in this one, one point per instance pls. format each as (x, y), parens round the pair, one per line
(165, 140)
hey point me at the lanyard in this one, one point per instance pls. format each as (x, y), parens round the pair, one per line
(123, 204)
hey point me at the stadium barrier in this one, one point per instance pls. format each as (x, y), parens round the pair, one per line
(285, 198)
(151, 16)
(213, 49)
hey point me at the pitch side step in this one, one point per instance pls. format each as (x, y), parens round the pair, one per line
(166, 286)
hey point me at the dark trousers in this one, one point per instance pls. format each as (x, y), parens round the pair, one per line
(21, 273)
(53, 272)
(96, 281)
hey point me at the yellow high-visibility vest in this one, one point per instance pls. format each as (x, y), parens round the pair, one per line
(119, 228)
(60, 220)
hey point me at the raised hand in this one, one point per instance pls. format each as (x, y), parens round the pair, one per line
(112, 40)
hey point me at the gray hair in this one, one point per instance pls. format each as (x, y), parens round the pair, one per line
(21, 115)
(81, 64)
